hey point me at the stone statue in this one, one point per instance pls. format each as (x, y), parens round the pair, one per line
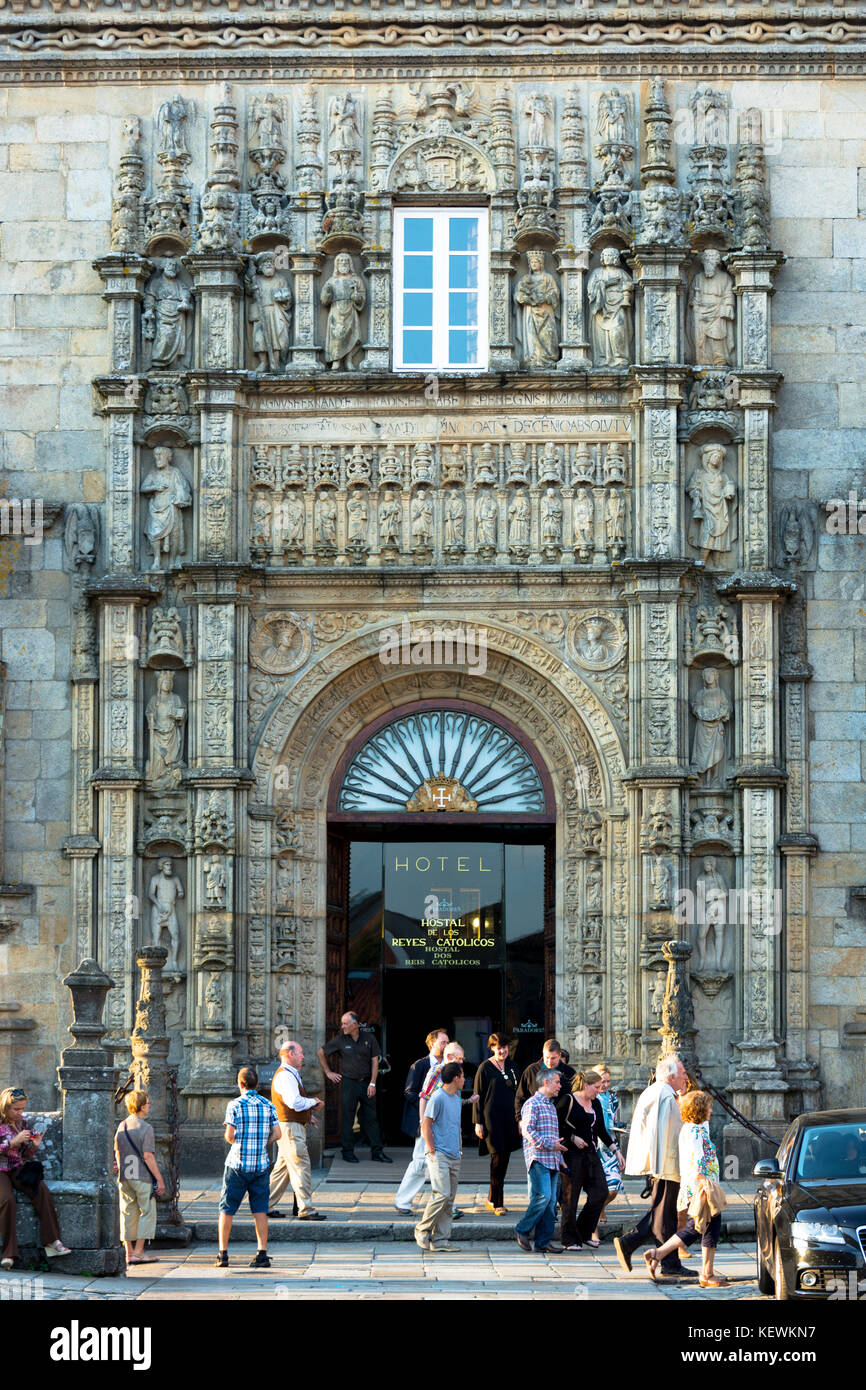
(593, 1001)
(712, 709)
(611, 117)
(164, 892)
(344, 296)
(164, 320)
(551, 519)
(166, 716)
(518, 520)
(583, 510)
(165, 640)
(215, 881)
(262, 524)
(268, 122)
(170, 495)
(344, 130)
(594, 883)
(80, 535)
(592, 645)
(614, 464)
(455, 518)
(610, 291)
(660, 883)
(293, 520)
(325, 520)
(711, 914)
(712, 312)
(214, 998)
(713, 526)
(537, 108)
(358, 511)
(171, 127)
(422, 519)
(486, 520)
(538, 294)
(270, 315)
(391, 520)
(614, 521)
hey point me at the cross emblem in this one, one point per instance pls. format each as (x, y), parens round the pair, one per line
(443, 798)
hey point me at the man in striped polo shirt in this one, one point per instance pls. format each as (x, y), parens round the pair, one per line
(250, 1126)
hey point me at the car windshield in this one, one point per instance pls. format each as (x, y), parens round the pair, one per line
(830, 1152)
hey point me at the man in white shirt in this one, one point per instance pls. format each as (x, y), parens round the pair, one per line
(295, 1110)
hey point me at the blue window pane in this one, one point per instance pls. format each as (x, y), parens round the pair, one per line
(418, 272)
(418, 346)
(418, 234)
(463, 272)
(463, 310)
(462, 347)
(463, 234)
(417, 310)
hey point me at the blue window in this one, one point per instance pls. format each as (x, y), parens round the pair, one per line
(441, 289)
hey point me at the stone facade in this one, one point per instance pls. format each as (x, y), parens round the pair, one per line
(243, 495)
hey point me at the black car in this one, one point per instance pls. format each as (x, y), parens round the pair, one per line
(810, 1210)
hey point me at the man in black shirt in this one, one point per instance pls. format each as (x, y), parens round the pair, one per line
(359, 1059)
(551, 1058)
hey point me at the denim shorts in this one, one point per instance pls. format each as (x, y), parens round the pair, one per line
(237, 1181)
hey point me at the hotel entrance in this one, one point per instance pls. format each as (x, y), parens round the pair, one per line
(440, 891)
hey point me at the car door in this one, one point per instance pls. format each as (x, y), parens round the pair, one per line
(770, 1199)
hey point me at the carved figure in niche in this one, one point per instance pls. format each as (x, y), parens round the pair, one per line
(283, 998)
(614, 522)
(358, 511)
(598, 641)
(283, 892)
(391, 519)
(611, 117)
(165, 891)
(270, 315)
(660, 883)
(537, 108)
(455, 518)
(713, 525)
(712, 312)
(164, 320)
(796, 535)
(166, 716)
(583, 509)
(518, 520)
(661, 817)
(712, 709)
(711, 912)
(551, 519)
(593, 888)
(214, 998)
(80, 535)
(325, 520)
(610, 290)
(215, 881)
(345, 132)
(538, 294)
(293, 520)
(657, 998)
(171, 127)
(486, 519)
(268, 122)
(344, 296)
(422, 519)
(166, 398)
(262, 524)
(594, 1001)
(170, 495)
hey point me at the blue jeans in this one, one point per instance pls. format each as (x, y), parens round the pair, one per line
(541, 1212)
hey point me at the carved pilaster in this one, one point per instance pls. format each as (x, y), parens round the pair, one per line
(306, 352)
(376, 257)
(124, 276)
(218, 494)
(658, 507)
(502, 354)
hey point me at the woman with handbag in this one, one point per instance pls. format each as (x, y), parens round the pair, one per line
(582, 1127)
(21, 1171)
(494, 1118)
(700, 1193)
(138, 1178)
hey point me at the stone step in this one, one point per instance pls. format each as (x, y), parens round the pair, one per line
(304, 1232)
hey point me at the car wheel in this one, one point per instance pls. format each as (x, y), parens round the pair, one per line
(765, 1280)
(780, 1283)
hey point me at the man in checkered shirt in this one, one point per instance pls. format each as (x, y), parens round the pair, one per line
(250, 1126)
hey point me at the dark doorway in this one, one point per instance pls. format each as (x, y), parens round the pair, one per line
(468, 1003)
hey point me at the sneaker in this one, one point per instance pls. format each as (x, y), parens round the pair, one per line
(222, 1260)
(446, 1245)
(457, 1215)
(56, 1248)
(262, 1260)
(7, 1262)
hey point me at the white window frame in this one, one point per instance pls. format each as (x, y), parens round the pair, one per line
(441, 216)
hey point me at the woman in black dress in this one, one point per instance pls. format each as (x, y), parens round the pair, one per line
(582, 1125)
(493, 1115)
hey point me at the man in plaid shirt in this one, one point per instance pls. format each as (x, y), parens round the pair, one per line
(542, 1148)
(250, 1126)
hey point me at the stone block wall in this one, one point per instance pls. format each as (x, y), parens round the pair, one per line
(57, 146)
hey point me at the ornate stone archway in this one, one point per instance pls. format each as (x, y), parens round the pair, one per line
(301, 743)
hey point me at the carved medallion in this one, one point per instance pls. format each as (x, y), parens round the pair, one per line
(441, 794)
(597, 640)
(280, 643)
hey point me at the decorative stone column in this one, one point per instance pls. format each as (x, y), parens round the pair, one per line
(87, 1083)
(678, 1017)
(376, 256)
(150, 1045)
(124, 276)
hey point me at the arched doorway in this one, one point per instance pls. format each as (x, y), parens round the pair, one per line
(441, 904)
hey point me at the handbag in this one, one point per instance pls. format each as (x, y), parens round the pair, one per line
(30, 1175)
(129, 1139)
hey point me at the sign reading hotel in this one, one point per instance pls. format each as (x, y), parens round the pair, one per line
(443, 905)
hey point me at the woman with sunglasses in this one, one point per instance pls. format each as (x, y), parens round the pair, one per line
(19, 1144)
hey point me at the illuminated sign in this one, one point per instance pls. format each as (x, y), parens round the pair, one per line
(443, 905)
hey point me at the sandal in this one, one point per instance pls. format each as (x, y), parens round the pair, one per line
(715, 1281)
(651, 1262)
(572, 1247)
(593, 1244)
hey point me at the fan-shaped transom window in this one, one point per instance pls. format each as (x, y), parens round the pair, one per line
(442, 760)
